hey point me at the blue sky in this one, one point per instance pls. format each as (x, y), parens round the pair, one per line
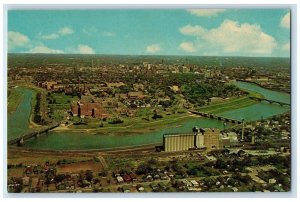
(212, 32)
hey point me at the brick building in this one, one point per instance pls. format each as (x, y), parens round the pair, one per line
(83, 109)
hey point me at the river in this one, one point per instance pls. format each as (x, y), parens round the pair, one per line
(18, 121)
(76, 140)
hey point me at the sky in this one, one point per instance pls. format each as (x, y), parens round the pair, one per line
(198, 32)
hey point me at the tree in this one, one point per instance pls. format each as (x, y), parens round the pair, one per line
(89, 175)
(153, 161)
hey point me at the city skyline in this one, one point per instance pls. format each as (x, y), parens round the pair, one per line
(201, 32)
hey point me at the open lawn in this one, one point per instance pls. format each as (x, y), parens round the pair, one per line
(134, 125)
(14, 99)
(231, 104)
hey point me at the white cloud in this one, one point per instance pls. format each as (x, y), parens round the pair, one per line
(85, 49)
(61, 32)
(108, 34)
(65, 31)
(17, 39)
(205, 12)
(191, 30)
(90, 30)
(43, 49)
(188, 47)
(285, 21)
(286, 47)
(50, 36)
(232, 37)
(153, 48)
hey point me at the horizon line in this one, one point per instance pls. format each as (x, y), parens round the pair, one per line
(150, 55)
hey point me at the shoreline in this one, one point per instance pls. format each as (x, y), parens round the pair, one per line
(253, 82)
(174, 123)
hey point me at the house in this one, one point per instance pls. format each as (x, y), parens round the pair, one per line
(234, 189)
(140, 188)
(156, 176)
(120, 179)
(25, 181)
(195, 183)
(127, 178)
(136, 95)
(138, 86)
(121, 96)
(34, 184)
(187, 183)
(175, 89)
(115, 85)
(126, 188)
(28, 170)
(49, 84)
(133, 177)
(272, 181)
(149, 177)
(163, 176)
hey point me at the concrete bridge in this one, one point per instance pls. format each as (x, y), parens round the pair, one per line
(217, 117)
(270, 101)
(35, 133)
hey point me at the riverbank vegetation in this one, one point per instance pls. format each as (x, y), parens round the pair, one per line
(37, 118)
(200, 93)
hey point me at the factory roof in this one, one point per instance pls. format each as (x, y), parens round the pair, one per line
(200, 130)
(178, 134)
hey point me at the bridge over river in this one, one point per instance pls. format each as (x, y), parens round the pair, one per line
(217, 117)
(34, 133)
(270, 101)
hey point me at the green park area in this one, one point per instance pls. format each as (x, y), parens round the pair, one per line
(14, 98)
(131, 125)
(231, 104)
(59, 103)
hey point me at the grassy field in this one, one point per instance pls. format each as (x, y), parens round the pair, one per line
(60, 104)
(134, 125)
(231, 104)
(14, 99)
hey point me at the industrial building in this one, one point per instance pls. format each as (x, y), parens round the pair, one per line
(200, 138)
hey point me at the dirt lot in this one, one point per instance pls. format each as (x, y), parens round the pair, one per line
(33, 158)
(77, 167)
(15, 172)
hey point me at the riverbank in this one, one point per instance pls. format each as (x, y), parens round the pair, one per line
(266, 87)
(137, 131)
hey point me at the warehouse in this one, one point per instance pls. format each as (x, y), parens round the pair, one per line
(200, 138)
